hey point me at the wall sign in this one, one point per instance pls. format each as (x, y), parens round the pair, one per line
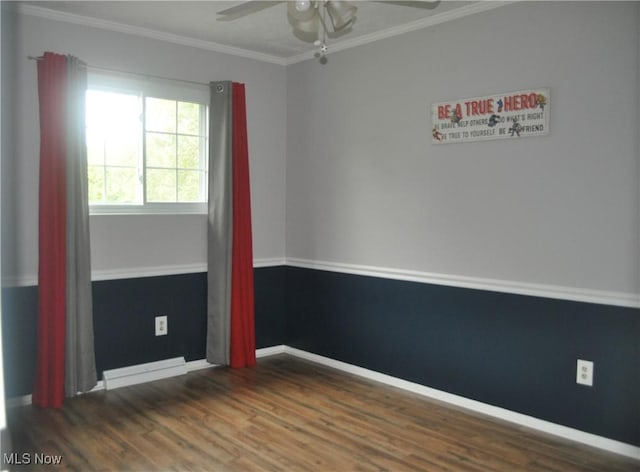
(510, 115)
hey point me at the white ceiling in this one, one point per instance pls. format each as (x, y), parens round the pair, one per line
(265, 34)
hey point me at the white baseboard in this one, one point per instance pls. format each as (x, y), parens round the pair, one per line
(141, 373)
(476, 406)
(520, 419)
(270, 351)
(263, 352)
(23, 400)
(140, 377)
(14, 402)
(197, 365)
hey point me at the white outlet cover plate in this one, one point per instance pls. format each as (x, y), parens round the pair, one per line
(161, 325)
(584, 372)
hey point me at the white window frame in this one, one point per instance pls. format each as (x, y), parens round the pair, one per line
(157, 88)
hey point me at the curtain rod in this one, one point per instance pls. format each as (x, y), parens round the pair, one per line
(118, 71)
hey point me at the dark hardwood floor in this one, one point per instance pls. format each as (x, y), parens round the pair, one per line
(285, 414)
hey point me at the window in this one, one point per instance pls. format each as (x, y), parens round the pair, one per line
(147, 146)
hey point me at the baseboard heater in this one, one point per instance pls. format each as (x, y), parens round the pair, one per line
(135, 374)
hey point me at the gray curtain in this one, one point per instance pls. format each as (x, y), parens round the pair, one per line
(80, 366)
(220, 224)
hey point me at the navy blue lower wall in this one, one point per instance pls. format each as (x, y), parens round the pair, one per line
(124, 319)
(124, 314)
(515, 352)
(19, 318)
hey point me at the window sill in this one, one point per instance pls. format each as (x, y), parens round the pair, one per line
(150, 209)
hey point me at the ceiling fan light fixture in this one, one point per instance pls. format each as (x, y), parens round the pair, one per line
(296, 14)
(342, 13)
(309, 20)
(308, 27)
(302, 5)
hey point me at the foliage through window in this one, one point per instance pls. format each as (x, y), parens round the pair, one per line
(146, 149)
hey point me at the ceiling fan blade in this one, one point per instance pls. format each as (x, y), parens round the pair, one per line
(339, 33)
(427, 5)
(342, 14)
(244, 9)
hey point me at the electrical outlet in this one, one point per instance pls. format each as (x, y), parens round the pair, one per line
(584, 373)
(161, 325)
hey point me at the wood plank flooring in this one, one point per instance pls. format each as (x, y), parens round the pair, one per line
(284, 415)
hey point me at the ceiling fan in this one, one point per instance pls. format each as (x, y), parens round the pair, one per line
(308, 18)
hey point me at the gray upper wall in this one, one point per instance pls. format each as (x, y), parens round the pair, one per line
(366, 186)
(123, 244)
(342, 165)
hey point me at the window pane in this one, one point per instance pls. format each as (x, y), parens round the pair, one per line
(161, 185)
(189, 186)
(160, 115)
(113, 125)
(95, 147)
(126, 130)
(114, 131)
(123, 149)
(188, 152)
(188, 118)
(161, 150)
(96, 183)
(112, 111)
(122, 185)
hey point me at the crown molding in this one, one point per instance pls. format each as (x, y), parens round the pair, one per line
(145, 33)
(449, 15)
(467, 10)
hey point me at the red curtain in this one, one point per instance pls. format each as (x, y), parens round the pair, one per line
(242, 343)
(48, 389)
